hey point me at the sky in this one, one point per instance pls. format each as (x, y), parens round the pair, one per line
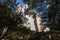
(20, 1)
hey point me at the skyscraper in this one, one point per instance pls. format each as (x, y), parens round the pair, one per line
(40, 25)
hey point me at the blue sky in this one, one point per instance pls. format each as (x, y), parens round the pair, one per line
(20, 1)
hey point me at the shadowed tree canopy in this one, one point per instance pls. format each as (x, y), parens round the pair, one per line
(11, 25)
(54, 14)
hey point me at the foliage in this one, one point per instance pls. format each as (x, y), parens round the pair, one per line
(51, 35)
(13, 22)
(54, 14)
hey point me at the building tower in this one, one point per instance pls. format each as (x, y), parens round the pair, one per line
(40, 25)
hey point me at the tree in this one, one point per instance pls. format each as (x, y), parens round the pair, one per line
(54, 14)
(11, 24)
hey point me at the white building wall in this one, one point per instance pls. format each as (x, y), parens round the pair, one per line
(30, 22)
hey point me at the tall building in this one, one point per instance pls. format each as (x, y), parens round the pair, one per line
(40, 25)
(28, 19)
(36, 24)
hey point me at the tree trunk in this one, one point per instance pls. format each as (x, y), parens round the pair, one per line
(5, 29)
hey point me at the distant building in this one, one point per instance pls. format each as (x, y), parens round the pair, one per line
(36, 24)
(40, 25)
